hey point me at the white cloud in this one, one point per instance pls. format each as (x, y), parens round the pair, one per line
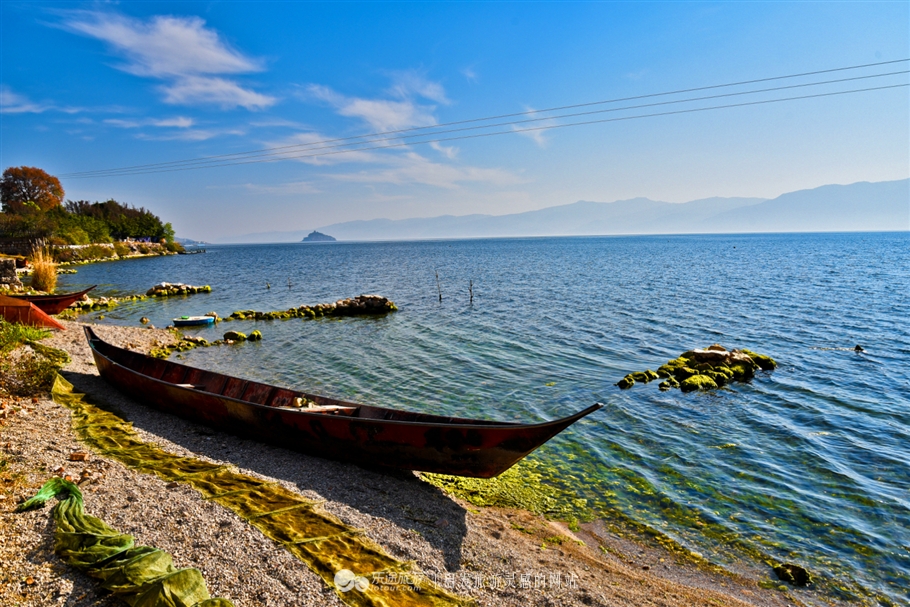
(469, 74)
(413, 168)
(409, 84)
(449, 152)
(380, 114)
(180, 50)
(12, 103)
(204, 89)
(179, 122)
(534, 130)
(303, 146)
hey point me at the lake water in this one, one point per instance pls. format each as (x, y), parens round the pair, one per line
(809, 464)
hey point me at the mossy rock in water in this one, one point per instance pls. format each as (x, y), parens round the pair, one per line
(668, 384)
(651, 375)
(793, 574)
(697, 382)
(683, 373)
(743, 371)
(719, 378)
(626, 382)
(255, 336)
(234, 336)
(641, 376)
(700, 367)
(765, 363)
(725, 371)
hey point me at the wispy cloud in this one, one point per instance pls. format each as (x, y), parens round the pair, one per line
(303, 146)
(292, 188)
(470, 74)
(191, 58)
(402, 108)
(179, 122)
(408, 84)
(380, 114)
(14, 103)
(412, 168)
(536, 135)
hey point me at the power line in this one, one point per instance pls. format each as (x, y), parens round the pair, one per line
(212, 162)
(146, 171)
(501, 116)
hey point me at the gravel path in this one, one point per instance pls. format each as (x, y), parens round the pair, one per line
(497, 556)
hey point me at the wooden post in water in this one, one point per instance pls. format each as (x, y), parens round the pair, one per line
(438, 288)
(471, 290)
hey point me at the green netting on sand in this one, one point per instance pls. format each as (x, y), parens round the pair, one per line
(324, 543)
(140, 575)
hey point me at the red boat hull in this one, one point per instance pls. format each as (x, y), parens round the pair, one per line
(54, 304)
(374, 436)
(25, 313)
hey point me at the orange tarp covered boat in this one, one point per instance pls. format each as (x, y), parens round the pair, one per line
(26, 313)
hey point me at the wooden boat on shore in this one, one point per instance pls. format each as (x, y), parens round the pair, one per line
(324, 427)
(26, 313)
(54, 304)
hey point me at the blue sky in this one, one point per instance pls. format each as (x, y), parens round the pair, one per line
(87, 86)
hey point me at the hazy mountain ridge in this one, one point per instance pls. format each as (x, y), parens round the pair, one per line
(863, 206)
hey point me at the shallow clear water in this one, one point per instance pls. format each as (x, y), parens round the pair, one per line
(810, 463)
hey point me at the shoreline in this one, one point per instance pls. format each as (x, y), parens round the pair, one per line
(458, 544)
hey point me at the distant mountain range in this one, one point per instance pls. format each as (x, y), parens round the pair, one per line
(859, 207)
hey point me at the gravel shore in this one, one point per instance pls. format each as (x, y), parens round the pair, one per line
(498, 556)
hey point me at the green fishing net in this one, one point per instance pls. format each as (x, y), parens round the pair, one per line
(324, 543)
(141, 575)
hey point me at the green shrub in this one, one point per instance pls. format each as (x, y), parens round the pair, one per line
(13, 335)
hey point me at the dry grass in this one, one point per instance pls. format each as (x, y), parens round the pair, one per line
(44, 271)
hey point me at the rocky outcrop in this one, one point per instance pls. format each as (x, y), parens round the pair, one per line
(700, 370)
(167, 289)
(362, 305)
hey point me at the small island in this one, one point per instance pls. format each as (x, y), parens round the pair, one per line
(315, 236)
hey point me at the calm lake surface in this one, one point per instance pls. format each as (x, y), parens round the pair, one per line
(808, 464)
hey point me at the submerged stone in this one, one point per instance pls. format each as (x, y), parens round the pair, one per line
(793, 574)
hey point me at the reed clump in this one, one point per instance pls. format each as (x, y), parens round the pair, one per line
(44, 271)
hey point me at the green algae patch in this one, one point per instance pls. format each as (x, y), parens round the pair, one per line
(139, 575)
(703, 370)
(523, 486)
(320, 540)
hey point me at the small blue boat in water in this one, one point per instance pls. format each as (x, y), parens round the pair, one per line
(193, 321)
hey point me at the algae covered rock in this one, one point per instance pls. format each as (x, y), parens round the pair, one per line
(699, 370)
(697, 382)
(668, 384)
(234, 336)
(255, 336)
(794, 574)
(626, 382)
